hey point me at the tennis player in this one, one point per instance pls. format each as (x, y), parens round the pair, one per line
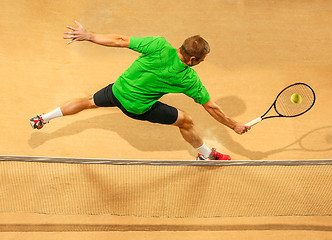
(159, 70)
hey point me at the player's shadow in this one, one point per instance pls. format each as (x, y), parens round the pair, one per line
(146, 136)
(141, 135)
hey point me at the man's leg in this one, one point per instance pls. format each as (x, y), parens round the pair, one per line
(187, 129)
(186, 125)
(78, 105)
(70, 108)
(164, 114)
(102, 98)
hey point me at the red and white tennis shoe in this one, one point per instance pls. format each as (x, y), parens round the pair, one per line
(214, 155)
(37, 122)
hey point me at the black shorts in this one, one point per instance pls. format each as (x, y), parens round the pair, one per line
(159, 113)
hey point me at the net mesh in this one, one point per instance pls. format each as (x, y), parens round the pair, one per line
(166, 190)
(286, 107)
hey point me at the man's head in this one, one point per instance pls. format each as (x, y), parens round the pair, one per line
(194, 50)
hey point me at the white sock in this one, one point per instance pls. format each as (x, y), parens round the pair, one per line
(204, 150)
(54, 114)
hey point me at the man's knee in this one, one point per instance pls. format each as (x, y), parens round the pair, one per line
(184, 120)
(92, 103)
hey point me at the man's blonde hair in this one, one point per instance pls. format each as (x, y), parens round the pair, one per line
(194, 46)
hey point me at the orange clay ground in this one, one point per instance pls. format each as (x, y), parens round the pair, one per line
(257, 48)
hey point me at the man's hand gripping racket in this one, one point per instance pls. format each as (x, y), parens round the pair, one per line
(293, 101)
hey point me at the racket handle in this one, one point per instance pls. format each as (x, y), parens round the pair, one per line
(253, 122)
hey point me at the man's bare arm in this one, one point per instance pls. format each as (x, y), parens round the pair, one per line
(215, 111)
(109, 40)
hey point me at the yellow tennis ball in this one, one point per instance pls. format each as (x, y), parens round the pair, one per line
(296, 98)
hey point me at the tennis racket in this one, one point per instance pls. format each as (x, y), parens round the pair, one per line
(284, 106)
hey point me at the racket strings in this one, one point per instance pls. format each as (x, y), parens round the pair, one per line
(285, 107)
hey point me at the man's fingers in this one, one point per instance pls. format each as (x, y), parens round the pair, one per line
(74, 34)
(69, 37)
(70, 33)
(74, 40)
(71, 28)
(243, 130)
(246, 129)
(78, 24)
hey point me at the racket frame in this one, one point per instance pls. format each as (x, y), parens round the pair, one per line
(259, 119)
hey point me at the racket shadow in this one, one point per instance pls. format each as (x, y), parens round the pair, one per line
(317, 140)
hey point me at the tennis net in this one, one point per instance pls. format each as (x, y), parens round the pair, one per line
(157, 188)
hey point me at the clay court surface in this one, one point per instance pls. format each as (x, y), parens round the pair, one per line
(257, 49)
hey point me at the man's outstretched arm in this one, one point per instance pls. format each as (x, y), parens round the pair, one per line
(109, 40)
(214, 110)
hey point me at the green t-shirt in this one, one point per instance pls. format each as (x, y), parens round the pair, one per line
(156, 72)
